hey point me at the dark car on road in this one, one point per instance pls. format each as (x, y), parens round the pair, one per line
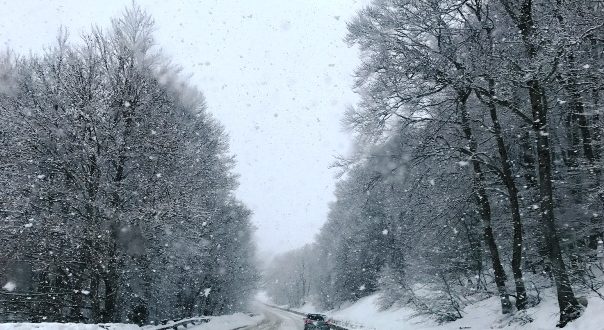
(316, 321)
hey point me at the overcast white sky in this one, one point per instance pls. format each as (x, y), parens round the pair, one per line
(276, 73)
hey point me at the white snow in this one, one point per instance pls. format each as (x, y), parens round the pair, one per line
(229, 322)
(364, 314)
(308, 307)
(9, 286)
(67, 326)
(226, 322)
(263, 297)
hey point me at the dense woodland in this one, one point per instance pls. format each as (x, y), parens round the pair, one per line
(117, 193)
(478, 162)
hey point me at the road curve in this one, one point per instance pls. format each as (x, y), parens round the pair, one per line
(276, 319)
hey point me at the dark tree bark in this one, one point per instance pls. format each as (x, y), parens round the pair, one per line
(510, 184)
(111, 280)
(590, 153)
(484, 207)
(522, 14)
(569, 307)
(508, 180)
(95, 312)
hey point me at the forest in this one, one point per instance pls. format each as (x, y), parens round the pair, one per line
(117, 186)
(477, 166)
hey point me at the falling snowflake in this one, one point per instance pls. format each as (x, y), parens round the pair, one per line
(9, 286)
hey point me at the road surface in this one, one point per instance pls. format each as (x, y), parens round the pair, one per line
(276, 319)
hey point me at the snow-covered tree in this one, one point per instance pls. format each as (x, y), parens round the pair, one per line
(120, 204)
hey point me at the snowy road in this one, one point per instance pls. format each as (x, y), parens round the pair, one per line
(276, 319)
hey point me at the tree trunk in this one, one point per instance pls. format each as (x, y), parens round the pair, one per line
(484, 207)
(94, 297)
(111, 280)
(109, 313)
(589, 151)
(569, 307)
(508, 180)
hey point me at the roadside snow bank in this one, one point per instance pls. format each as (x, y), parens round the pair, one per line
(307, 308)
(364, 314)
(229, 322)
(67, 326)
(225, 322)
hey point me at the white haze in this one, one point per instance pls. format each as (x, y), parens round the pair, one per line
(276, 73)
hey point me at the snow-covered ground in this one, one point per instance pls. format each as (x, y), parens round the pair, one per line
(66, 326)
(226, 322)
(229, 322)
(364, 314)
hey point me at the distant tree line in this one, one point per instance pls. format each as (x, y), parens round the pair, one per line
(116, 187)
(478, 168)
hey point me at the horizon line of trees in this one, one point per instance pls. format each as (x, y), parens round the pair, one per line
(478, 169)
(116, 187)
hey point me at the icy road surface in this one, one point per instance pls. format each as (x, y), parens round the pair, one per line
(276, 319)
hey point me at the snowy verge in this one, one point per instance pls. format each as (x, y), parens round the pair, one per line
(225, 322)
(307, 308)
(230, 322)
(67, 326)
(365, 314)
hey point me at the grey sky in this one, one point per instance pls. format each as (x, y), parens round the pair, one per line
(276, 73)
